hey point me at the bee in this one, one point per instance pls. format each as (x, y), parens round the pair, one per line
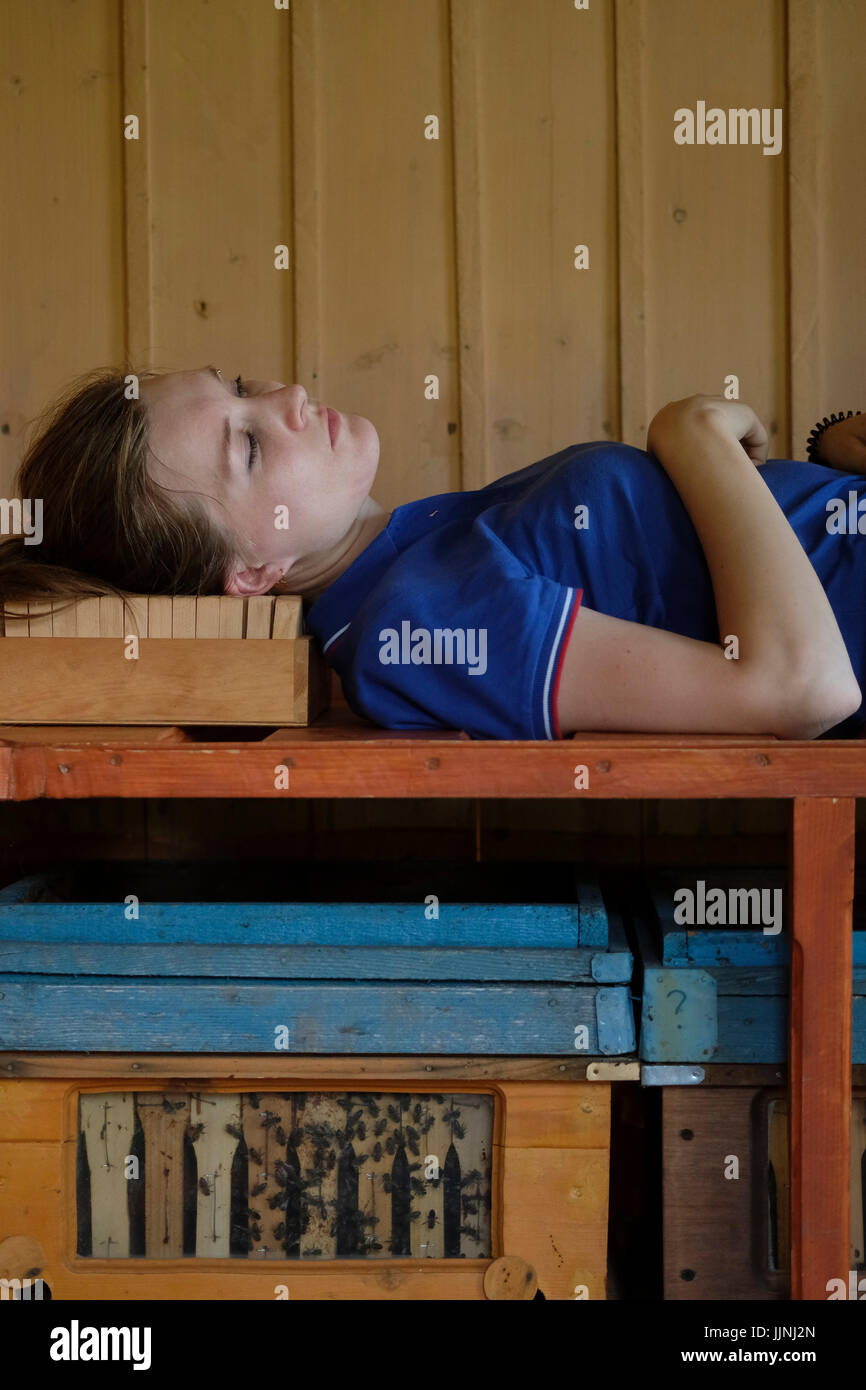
(281, 1173)
(253, 1100)
(242, 1237)
(280, 1231)
(259, 1188)
(255, 1155)
(431, 1219)
(282, 1137)
(194, 1132)
(205, 1187)
(235, 1131)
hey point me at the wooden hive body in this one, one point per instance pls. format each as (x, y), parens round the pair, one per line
(719, 993)
(153, 659)
(84, 971)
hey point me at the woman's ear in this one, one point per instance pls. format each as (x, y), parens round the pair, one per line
(248, 580)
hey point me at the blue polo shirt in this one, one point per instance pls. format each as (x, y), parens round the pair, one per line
(458, 613)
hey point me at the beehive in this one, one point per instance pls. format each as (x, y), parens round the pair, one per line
(105, 957)
(153, 659)
(726, 1233)
(718, 992)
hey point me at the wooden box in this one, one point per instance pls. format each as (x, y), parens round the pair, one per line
(716, 992)
(726, 1236)
(160, 660)
(302, 1179)
(147, 958)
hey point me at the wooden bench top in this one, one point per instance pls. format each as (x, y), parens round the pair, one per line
(341, 755)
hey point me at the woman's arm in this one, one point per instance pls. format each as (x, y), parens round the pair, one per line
(793, 677)
(842, 445)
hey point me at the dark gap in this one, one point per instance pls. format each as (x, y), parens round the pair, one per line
(83, 1212)
(451, 1205)
(135, 1191)
(190, 1196)
(240, 1240)
(400, 1204)
(349, 1236)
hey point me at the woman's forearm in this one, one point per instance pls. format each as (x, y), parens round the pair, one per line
(767, 593)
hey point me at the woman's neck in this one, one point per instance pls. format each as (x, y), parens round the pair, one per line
(312, 576)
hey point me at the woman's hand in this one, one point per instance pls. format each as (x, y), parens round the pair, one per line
(737, 417)
(843, 445)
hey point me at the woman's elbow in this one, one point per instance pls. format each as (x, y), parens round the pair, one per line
(814, 706)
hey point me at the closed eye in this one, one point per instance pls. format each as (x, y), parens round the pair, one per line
(254, 443)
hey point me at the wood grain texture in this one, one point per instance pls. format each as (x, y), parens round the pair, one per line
(352, 760)
(710, 1238)
(821, 890)
(184, 680)
(807, 188)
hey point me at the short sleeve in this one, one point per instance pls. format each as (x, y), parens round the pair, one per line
(460, 634)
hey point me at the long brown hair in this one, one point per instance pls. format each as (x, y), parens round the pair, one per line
(107, 526)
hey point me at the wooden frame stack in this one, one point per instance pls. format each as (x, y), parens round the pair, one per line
(151, 659)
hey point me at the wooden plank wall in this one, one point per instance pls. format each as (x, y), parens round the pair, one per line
(411, 256)
(454, 257)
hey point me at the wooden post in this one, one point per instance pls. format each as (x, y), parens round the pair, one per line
(821, 890)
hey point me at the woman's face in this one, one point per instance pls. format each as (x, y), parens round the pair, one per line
(266, 465)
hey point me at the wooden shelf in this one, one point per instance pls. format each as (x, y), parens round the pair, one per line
(342, 756)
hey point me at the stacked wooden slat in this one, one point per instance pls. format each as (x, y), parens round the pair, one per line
(161, 668)
(158, 615)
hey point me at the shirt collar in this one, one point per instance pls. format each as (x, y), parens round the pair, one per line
(341, 600)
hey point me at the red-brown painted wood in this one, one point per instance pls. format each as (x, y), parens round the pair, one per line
(354, 760)
(821, 890)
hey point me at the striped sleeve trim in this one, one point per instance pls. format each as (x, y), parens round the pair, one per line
(554, 667)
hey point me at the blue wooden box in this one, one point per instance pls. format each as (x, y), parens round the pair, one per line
(718, 991)
(99, 959)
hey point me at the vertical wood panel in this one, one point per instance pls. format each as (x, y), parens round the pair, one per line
(137, 157)
(387, 250)
(805, 213)
(841, 118)
(715, 231)
(218, 128)
(821, 891)
(61, 224)
(475, 463)
(547, 184)
(634, 412)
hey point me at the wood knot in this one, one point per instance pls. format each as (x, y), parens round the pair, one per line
(603, 766)
(431, 764)
(762, 760)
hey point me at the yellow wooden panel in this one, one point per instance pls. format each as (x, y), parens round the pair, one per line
(61, 218)
(556, 1115)
(219, 187)
(32, 1109)
(380, 195)
(841, 205)
(714, 235)
(30, 1197)
(555, 1216)
(545, 95)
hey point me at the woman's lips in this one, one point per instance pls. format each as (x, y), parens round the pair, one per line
(333, 424)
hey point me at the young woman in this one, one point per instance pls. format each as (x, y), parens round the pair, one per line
(695, 587)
